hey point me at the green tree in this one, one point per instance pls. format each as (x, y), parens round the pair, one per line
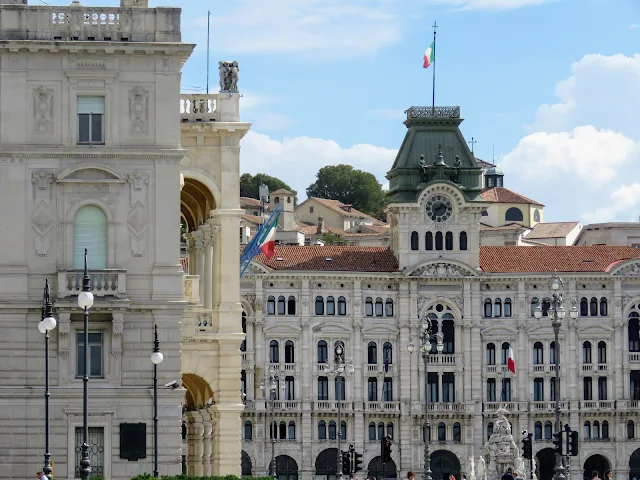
(332, 239)
(350, 186)
(250, 185)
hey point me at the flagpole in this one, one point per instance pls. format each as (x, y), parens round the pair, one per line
(433, 89)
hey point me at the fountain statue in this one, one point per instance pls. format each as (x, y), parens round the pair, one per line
(500, 452)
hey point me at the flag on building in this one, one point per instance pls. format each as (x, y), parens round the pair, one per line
(429, 55)
(268, 245)
(511, 361)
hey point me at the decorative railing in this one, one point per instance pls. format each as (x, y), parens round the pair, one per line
(597, 405)
(628, 404)
(199, 107)
(383, 406)
(444, 358)
(191, 289)
(103, 283)
(102, 18)
(511, 407)
(433, 112)
(332, 405)
(633, 357)
(450, 407)
(547, 406)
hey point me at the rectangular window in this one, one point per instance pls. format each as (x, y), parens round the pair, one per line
(491, 390)
(448, 386)
(323, 388)
(95, 440)
(538, 390)
(387, 390)
(506, 390)
(432, 387)
(372, 389)
(587, 387)
(289, 389)
(552, 389)
(90, 120)
(96, 349)
(634, 384)
(602, 388)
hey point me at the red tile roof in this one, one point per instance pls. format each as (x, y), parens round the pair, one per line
(504, 195)
(343, 259)
(250, 202)
(507, 226)
(252, 219)
(343, 209)
(552, 230)
(282, 191)
(311, 229)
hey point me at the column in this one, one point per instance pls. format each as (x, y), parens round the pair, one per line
(358, 384)
(198, 239)
(207, 427)
(208, 241)
(191, 253)
(251, 359)
(195, 432)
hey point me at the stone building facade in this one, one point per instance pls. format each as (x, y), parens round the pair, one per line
(299, 303)
(99, 150)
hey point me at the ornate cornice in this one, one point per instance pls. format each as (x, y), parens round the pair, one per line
(16, 156)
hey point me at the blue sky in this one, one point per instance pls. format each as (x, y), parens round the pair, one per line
(552, 85)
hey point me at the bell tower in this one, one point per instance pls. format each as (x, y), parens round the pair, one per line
(434, 191)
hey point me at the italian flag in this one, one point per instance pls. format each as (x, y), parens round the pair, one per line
(511, 361)
(268, 245)
(429, 55)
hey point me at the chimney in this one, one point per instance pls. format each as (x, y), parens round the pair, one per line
(320, 228)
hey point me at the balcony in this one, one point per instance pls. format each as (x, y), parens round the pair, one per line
(209, 107)
(627, 405)
(511, 407)
(450, 407)
(590, 367)
(191, 289)
(633, 357)
(546, 407)
(379, 368)
(597, 405)
(445, 359)
(103, 283)
(390, 407)
(332, 406)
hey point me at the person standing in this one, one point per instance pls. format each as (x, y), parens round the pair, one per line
(608, 475)
(411, 476)
(508, 475)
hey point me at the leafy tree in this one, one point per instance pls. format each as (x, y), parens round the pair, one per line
(332, 239)
(250, 185)
(350, 186)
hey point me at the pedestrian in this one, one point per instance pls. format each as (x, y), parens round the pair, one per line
(411, 476)
(595, 475)
(464, 477)
(40, 475)
(452, 477)
(608, 475)
(508, 475)
(518, 476)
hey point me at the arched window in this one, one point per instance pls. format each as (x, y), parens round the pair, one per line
(593, 308)
(248, 430)
(504, 353)
(331, 306)
(276, 200)
(595, 429)
(90, 232)
(457, 432)
(322, 352)
(372, 432)
(380, 430)
(274, 351)
(442, 432)
(488, 308)
(271, 305)
(548, 430)
(289, 352)
(605, 430)
(387, 353)
(390, 430)
(603, 307)
(538, 353)
(414, 241)
(552, 353)
(497, 307)
(282, 434)
(491, 354)
(332, 430)
(631, 429)
(536, 215)
(428, 241)
(379, 307)
(602, 353)
(537, 431)
(463, 240)
(586, 430)
(633, 331)
(448, 241)
(584, 307)
(319, 305)
(281, 305)
(243, 345)
(368, 307)
(343, 430)
(372, 353)
(438, 240)
(388, 307)
(513, 214)
(322, 430)
(507, 307)
(291, 434)
(586, 352)
(291, 305)
(342, 306)
(489, 430)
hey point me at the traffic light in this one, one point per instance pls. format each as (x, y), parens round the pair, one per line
(386, 449)
(527, 447)
(574, 444)
(346, 462)
(557, 442)
(357, 462)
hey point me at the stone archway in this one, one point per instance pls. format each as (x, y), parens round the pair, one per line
(286, 468)
(375, 469)
(597, 463)
(198, 392)
(247, 466)
(545, 461)
(326, 464)
(443, 464)
(634, 465)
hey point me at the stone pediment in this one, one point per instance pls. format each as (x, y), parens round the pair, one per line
(499, 330)
(282, 328)
(328, 327)
(256, 268)
(441, 269)
(378, 329)
(630, 268)
(596, 328)
(89, 174)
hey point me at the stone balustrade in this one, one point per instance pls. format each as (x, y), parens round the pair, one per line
(209, 107)
(191, 289)
(450, 407)
(103, 283)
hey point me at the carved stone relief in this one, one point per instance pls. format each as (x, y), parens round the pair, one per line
(138, 219)
(139, 109)
(117, 327)
(630, 271)
(440, 270)
(42, 219)
(43, 109)
(279, 285)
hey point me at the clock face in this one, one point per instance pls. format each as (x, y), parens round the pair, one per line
(439, 208)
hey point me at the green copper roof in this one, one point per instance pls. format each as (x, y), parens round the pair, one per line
(433, 150)
(494, 171)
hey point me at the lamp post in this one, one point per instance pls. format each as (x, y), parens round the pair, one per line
(341, 365)
(426, 335)
(156, 359)
(47, 323)
(273, 390)
(556, 312)
(85, 301)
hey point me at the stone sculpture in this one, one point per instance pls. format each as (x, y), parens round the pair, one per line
(501, 451)
(229, 73)
(482, 469)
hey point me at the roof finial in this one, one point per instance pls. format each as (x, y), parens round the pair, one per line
(472, 143)
(493, 154)
(440, 160)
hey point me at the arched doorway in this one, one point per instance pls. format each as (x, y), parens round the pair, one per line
(634, 465)
(326, 464)
(596, 462)
(374, 470)
(246, 464)
(443, 464)
(545, 461)
(286, 468)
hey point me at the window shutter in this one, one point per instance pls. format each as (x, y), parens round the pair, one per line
(91, 105)
(90, 232)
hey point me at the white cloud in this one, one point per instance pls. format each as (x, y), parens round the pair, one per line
(297, 160)
(391, 113)
(634, 26)
(623, 202)
(492, 4)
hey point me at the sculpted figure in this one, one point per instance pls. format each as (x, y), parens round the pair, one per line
(234, 70)
(223, 70)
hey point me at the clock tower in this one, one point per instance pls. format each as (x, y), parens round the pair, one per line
(434, 192)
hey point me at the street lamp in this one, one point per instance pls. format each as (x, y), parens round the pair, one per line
(426, 335)
(85, 301)
(556, 312)
(156, 359)
(47, 323)
(341, 365)
(273, 390)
